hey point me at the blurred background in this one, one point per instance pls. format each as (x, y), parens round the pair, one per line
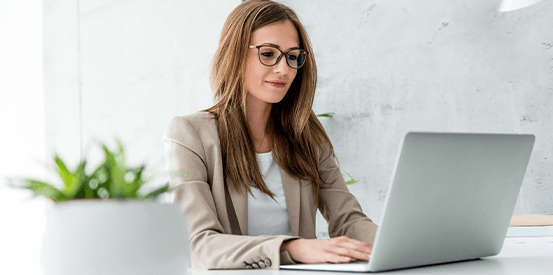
(72, 71)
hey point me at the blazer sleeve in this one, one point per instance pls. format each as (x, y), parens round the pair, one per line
(339, 207)
(210, 247)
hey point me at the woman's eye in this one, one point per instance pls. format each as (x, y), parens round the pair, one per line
(267, 54)
(293, 57)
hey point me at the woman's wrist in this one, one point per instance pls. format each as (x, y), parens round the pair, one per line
(286, 244)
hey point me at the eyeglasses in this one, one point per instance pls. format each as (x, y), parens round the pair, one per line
(270, 55)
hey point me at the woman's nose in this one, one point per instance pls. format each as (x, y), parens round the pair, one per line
(282, 66)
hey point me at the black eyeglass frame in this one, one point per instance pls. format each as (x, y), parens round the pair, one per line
(280, 56)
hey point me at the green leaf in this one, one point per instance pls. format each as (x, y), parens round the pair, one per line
(120, 147)
(66, 176)
(79, 181)
(326, 114)
(132, 187)
(116, 175)
(351, 180)
(89, 193)
(44, 189)
(108, 179)
(120, 154)
(157, 192)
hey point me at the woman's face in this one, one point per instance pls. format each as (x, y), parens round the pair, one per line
(270, 84)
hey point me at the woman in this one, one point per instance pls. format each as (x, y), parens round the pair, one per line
(251, 171)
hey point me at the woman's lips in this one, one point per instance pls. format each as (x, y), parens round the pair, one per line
(277, 84)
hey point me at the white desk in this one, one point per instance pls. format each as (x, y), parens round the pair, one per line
(519, 256)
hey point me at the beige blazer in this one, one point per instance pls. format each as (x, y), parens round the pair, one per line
(195, 169)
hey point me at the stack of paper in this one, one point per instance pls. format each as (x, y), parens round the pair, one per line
(531, 226)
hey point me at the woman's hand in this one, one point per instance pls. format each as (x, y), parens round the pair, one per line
(335, 250)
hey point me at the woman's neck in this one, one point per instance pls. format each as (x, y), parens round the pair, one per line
(258, 113)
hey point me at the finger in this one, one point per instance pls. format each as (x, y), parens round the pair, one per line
(350, 240)
(352, 253)
(360, 243)
(335, 258)
(351, 248)
(353, 244)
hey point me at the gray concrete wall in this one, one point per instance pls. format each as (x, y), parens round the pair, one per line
(385, 68)
(388, 67)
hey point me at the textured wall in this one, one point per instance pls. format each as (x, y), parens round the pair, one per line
(385, 68)
(388, 67)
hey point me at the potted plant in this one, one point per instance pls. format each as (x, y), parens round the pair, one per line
(102, 223)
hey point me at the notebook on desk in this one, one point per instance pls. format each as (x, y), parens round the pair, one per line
(531, 226)
(450, 199)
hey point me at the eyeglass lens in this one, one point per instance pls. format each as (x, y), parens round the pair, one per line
(269, 56)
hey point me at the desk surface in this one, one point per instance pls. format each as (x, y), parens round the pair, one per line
(518, 256)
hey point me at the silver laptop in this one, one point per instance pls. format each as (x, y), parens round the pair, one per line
(450, 199)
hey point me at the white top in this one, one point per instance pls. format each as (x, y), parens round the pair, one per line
(265, 216)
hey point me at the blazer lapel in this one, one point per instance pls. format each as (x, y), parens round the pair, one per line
(240, 202)
(291, 188)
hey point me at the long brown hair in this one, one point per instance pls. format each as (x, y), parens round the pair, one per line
(297, 135)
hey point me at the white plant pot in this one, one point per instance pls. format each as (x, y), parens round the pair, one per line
(115, 237)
